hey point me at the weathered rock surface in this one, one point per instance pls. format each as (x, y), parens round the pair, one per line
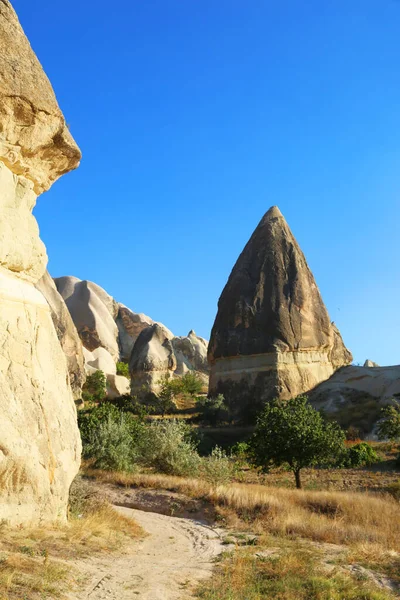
(272, 335)
(110, 332)
(157, 353)
(370, 363)
(39, 440)
(66, 333)
(35, 141)
(93, 312)
(355, 395)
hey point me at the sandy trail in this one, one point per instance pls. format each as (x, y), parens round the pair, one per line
(165, 565)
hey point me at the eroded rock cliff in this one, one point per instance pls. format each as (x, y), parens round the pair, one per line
(272, 336)
(39, 440)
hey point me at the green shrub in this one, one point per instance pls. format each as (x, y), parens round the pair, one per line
(218, 468)
(123, 369)
(91, 419)
(167, 447)
(360, 455)
(389, 425)
(213, 410)
(95, 387)
(191, 384)
(112, 444)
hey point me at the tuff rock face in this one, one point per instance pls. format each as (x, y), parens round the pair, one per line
(39, 440)
(355, 395)
(66, 333)
(110, 332)
(272, 336)
(157, 353)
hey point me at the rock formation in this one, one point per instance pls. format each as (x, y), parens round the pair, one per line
(355, 395)
(93, 312)
(39, 442)
(66, 333)
(370, 363)
(157, 353)
(272, 336)
(110, 332)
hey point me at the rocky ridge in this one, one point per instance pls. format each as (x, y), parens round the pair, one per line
(272, 336)
(111, 332)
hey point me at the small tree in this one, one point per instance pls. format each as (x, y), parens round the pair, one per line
(293, 433)
(95, 387)
(123, 369)
(166, 395)
(389, 425)
(191, 384)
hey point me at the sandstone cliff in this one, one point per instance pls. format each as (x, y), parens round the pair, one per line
(272, 335)
(39, 442)
(110, 332)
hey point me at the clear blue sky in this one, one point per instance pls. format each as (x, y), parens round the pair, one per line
(194, 117)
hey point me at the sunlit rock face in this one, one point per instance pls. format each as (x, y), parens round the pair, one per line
(272, 336)
(39, 437)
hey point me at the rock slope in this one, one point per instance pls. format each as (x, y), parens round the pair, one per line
(39, 441)
(110, 331)
(272, 335)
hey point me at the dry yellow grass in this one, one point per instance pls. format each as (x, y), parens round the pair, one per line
(335, 517)
(35, 561)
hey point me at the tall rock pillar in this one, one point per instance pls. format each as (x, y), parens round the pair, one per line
(39, 437)
(272, 336)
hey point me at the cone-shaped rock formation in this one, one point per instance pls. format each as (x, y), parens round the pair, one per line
(272, 335)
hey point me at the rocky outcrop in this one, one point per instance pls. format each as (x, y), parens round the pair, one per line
(39, 441)
(110, 332)
(93, 312)
(272, 336)
(370, 363)
(157, 353)
(35, 140)
(66, 333)
(355, 395)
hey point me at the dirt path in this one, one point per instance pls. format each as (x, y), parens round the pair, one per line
(165, 565)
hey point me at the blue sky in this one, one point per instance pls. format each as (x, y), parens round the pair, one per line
(194, 117)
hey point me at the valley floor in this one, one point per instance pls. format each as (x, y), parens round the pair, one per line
(166, 564)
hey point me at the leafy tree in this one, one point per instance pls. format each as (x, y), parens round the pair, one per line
(95, 387)
(166, 395)
(191, 383)
(294, 434)
(123, 369)
(389, 425)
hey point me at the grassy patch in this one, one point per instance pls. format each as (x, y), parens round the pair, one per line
(292, 574)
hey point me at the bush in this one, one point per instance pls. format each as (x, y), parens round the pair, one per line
(112, 444)
(218, 468)
(83, 499)
(123, 369)
(191, 384)
(389, 425)
(360, 455)
(95, 387)
(116, 426)
(213, 410)
(167, 447)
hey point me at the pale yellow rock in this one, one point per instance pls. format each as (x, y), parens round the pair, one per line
(34, 139)
(39, 439)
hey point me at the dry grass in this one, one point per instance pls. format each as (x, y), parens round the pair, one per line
(335, 517)
(291, 573)
(36, 563)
